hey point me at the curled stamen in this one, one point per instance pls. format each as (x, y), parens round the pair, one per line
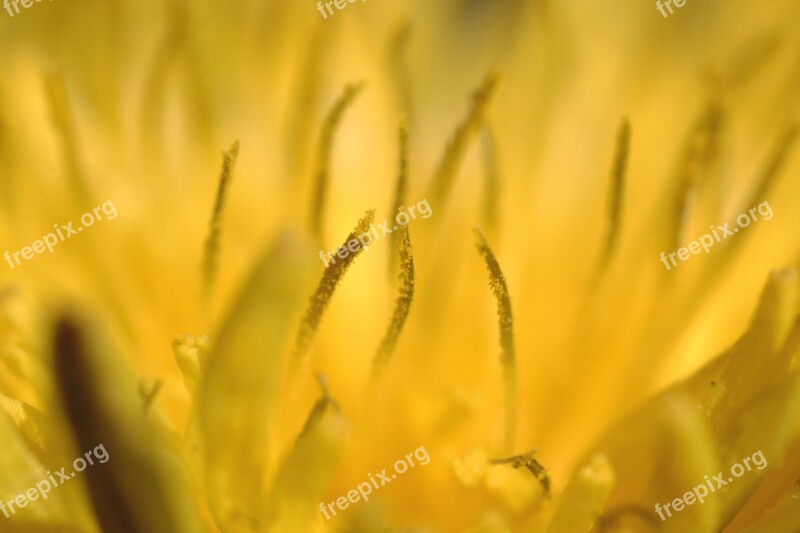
(507, 358)
(527, 460)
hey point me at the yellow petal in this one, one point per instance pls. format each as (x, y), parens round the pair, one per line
(305, 473)
(240, 381)
(141, 486)
(584, 498)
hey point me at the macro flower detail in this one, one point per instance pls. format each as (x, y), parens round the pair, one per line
(233, 354)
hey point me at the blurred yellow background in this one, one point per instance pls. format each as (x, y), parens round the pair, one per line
(134, 101)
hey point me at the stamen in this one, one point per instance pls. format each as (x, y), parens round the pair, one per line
(402, 307)
(322, 173)
(491, 198)
(699, 151)
(507, 358)
(398, 44)
(211, 258)
(527, 460)
(456, 147)
(616, 194)
(400, 189)
(324, 402)
(331, 277)
(775, 163)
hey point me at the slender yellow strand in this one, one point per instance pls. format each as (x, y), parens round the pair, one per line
(294, 495)
(773, 166)
(8, 178)
(698, 152)
(331, 277)
(775, 163)
(305, 93)
(457, 146)
(211, 258)
(491, 197)
(322, 172)
(398, 44)
(617, 191)
(323, 403)
(400, 188)
(752, 57)
(402, 306)
(497, 282)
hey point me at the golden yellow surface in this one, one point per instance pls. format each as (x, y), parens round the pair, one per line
(559, 376)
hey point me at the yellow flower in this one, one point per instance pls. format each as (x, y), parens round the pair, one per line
(550, 350)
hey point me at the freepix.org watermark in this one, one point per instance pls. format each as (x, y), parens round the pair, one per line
(14, 3)
(61, 234)
(660, 6)
(719, 233)
(340, 4)
(365, 239)
(365, 489)
(717, 482)
(43, 488)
